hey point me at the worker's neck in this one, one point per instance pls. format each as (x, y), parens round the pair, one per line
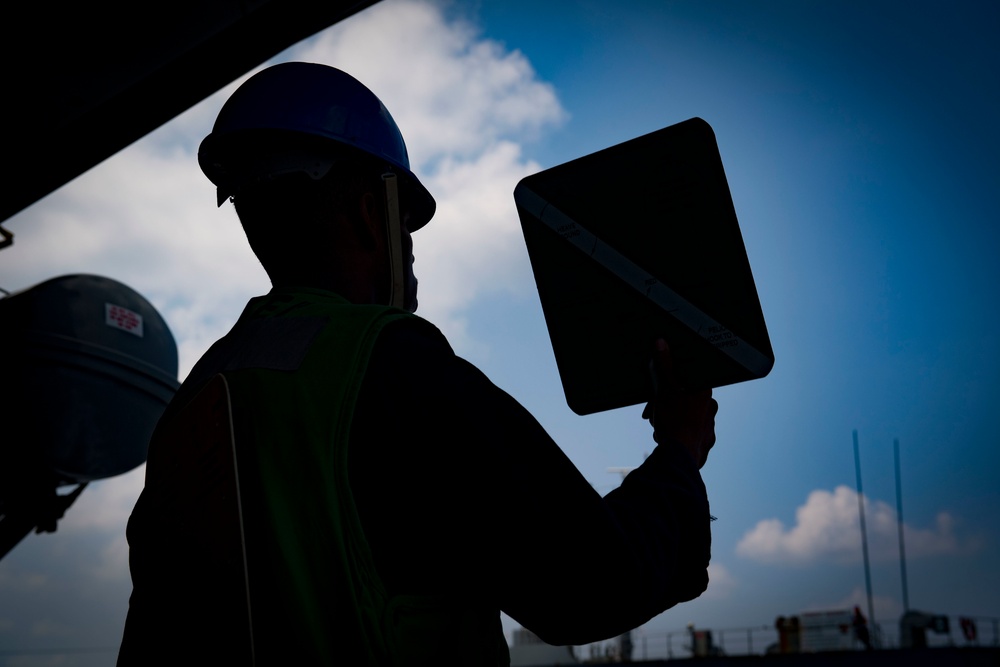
(349, 287)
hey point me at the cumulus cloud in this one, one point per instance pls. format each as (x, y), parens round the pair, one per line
(465, 106)
(885, 606)
(828, 526)
(453, 93)
(147, 216)
(104, 507)
(16, 582)
(721, 582)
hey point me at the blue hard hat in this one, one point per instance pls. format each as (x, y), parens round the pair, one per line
(314, 110)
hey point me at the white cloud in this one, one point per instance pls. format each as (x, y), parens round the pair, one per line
(474, 245)
(20, 582)
(452, 93)
(50, 628)
(147, 219)
(464, 104)
(828, 526)
(885, 606)
(104, 506)
(147, 216)
(112, 564)
(721, 583)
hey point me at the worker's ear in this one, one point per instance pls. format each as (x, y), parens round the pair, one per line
(369, 225)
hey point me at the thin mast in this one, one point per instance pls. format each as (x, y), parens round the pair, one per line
(864, 532)
(899, 522)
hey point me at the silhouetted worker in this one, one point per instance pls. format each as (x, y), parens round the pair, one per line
(861, 628)
(393, 501)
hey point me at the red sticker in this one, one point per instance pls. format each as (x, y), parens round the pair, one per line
(123, 318)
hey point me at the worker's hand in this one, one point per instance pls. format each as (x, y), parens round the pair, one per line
(686, 416)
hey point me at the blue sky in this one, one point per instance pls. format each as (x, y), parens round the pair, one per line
(860, 144)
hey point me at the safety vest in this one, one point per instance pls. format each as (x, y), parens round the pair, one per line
(312, 579)
(293, 367)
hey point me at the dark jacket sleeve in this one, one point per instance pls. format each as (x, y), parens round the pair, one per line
(463, 493)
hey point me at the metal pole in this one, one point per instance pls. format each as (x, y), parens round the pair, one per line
(899, 521)
(864, 532)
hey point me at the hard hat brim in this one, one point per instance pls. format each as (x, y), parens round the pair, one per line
(233, 160)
